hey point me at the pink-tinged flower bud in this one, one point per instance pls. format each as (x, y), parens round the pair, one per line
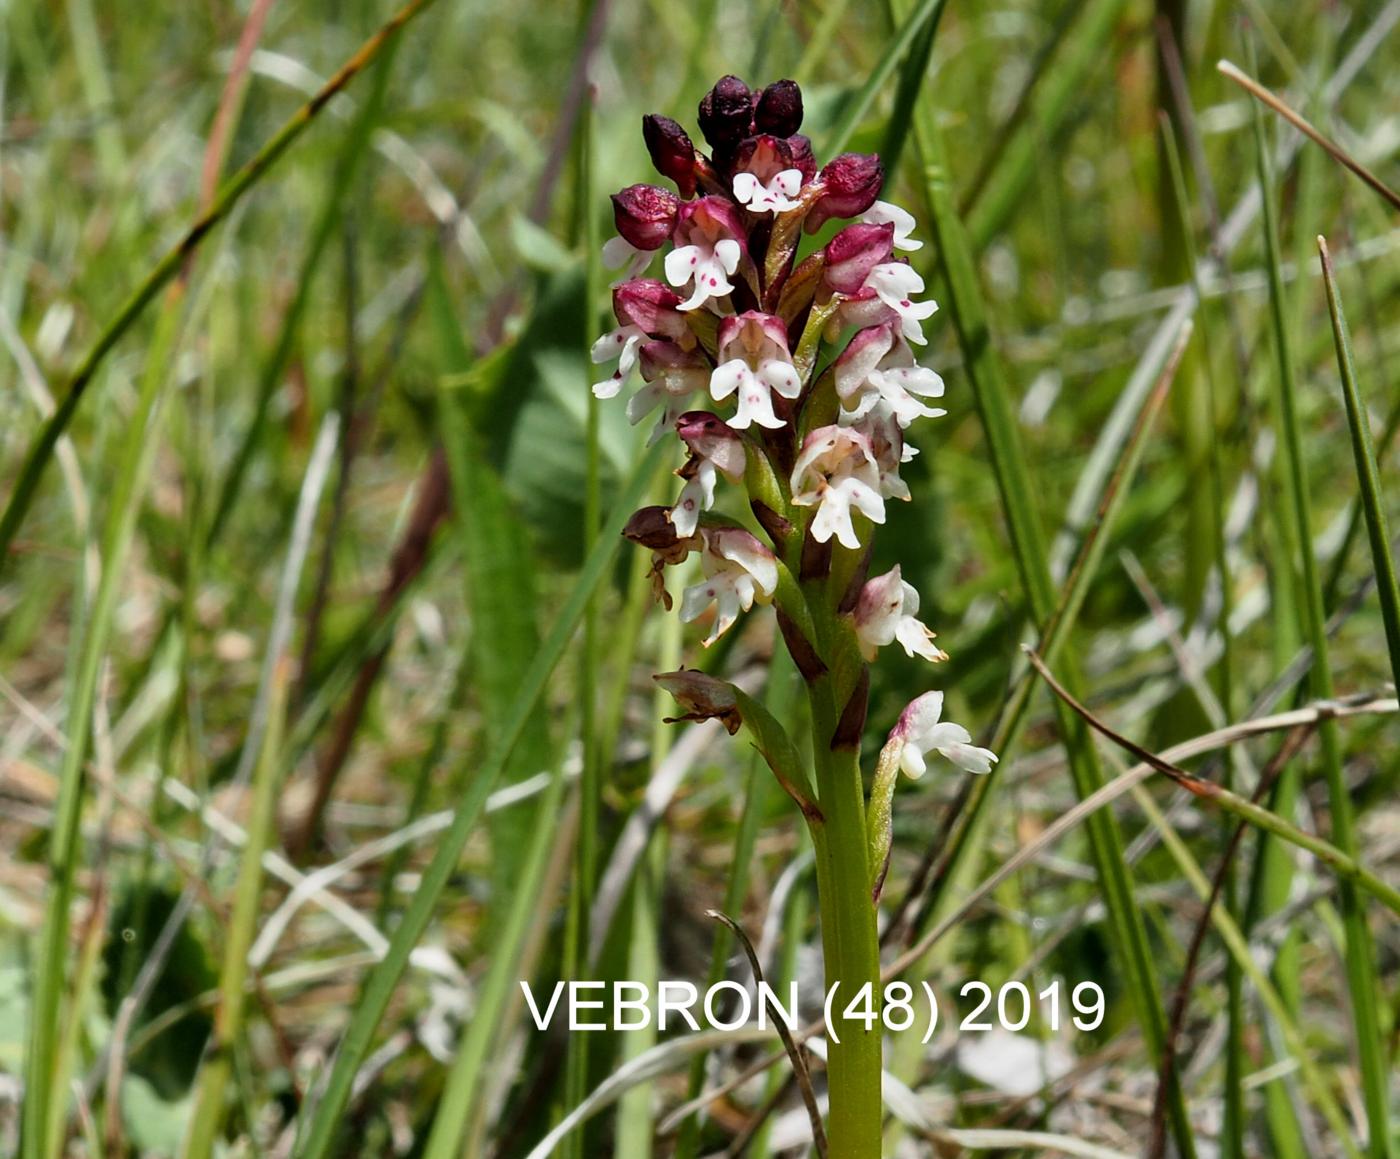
(887, 613)
(726, 113)
(803, 158)
(922, 730)
(671, 151)
(709, 437)
(645, 215)
(701, 697)
(779, 109)
(850, 185)
(652, 306)
(853, 253)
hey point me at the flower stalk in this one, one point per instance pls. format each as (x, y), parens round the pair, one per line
(807, 360)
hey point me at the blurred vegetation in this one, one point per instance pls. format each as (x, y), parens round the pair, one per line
(414, 269)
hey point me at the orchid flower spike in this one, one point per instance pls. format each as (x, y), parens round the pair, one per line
(920, 731)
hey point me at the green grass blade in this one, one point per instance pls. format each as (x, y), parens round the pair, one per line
(855, 109)
(1359, 948)
(1084, 50)
(379, 986)
(327, 225)
(171, 263)
(42, 1111)
(1028, 545)
(207, 1118)
(1368, 473)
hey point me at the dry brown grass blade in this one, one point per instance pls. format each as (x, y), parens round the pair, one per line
(1333, 150)
(794, 1052)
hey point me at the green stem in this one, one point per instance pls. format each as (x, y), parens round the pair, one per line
(850, 948)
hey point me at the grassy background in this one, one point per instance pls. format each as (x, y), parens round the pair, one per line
(398, 313)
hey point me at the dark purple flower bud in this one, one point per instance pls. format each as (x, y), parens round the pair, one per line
(645, 215)
(850, 185)
(651, 527)
(779, 109)
(802, 156)
(652, 306)
(726, 113)
(671, 151)
(853, 253)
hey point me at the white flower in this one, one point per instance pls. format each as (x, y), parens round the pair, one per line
(835, 472)
(887, 612)
(878, 367)
(714, 449)
(922, 732)
(738, 570)
(672, 376)
(711, 229)
(619, 253)
(754, 362)
(776, 196)
(887, 445)
(620, 344)
(883, 213)
(895, 284)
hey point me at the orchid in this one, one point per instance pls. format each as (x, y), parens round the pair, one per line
(755, 364)
(715, 450)
(836, 472)
(883, 213)
(895, 284)
(738, 570)
(878, 367)
(813, 445)
(711, 251)
(887, 612)
(921, 730)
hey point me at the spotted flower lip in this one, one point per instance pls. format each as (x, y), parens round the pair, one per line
(709, 237)
(738, 569)
(921, 730)
(836, 472)
(754, 364)
(878, 367)
(765, 179)
(895, 284)
(621, 344)
(887, 612)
